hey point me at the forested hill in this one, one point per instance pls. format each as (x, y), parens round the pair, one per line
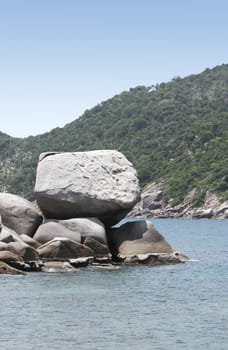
(175, 131)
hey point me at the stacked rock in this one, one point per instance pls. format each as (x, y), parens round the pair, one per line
(79, 196)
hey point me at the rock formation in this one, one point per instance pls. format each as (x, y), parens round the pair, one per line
(152, 204)
(81, 195)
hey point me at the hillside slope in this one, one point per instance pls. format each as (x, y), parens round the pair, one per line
(176, 132)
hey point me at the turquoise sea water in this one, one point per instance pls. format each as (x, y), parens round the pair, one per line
(168, 307)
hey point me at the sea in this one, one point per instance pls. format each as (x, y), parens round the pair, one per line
(173, 307)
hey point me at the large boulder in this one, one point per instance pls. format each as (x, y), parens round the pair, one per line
(100, 184)
(19, 214)
(137, 237)
(86, 227)
(63, 248)
(50, 230)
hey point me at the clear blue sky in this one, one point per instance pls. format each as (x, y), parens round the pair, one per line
(61, 57)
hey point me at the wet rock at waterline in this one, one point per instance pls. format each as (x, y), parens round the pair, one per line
(100, 184)
(153, 259)
(57, 266)
(9, 270)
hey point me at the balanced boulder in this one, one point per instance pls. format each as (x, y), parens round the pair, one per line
(137, 237)
(19, 214)
(100, 184)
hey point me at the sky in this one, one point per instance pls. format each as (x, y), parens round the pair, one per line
(61, 57)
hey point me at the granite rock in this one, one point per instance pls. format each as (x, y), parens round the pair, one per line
(19, 214)
(100, 184)
(137, 237)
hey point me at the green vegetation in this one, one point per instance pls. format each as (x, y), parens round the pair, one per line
(175, 131)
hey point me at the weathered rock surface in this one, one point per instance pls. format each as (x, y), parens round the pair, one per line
(63, 248)
(86, 227)
(137, 237)
(100, 184)
(19, 214)
(50, 230)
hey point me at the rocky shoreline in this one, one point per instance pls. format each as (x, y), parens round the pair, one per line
(152, 205)
(80, 197)
(73, 265)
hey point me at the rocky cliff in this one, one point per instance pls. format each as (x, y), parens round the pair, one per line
(153, 204)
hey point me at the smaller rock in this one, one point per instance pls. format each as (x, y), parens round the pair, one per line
(202, 214)
(9, 270)
(221, 212)
(103, 260)
(86, 227)
(50, 230)
(24, 250)
(8, 256)
(153, 259)
(64, 248)
(57, 266)
(81, 262)
(98, 248)
(8, 235)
